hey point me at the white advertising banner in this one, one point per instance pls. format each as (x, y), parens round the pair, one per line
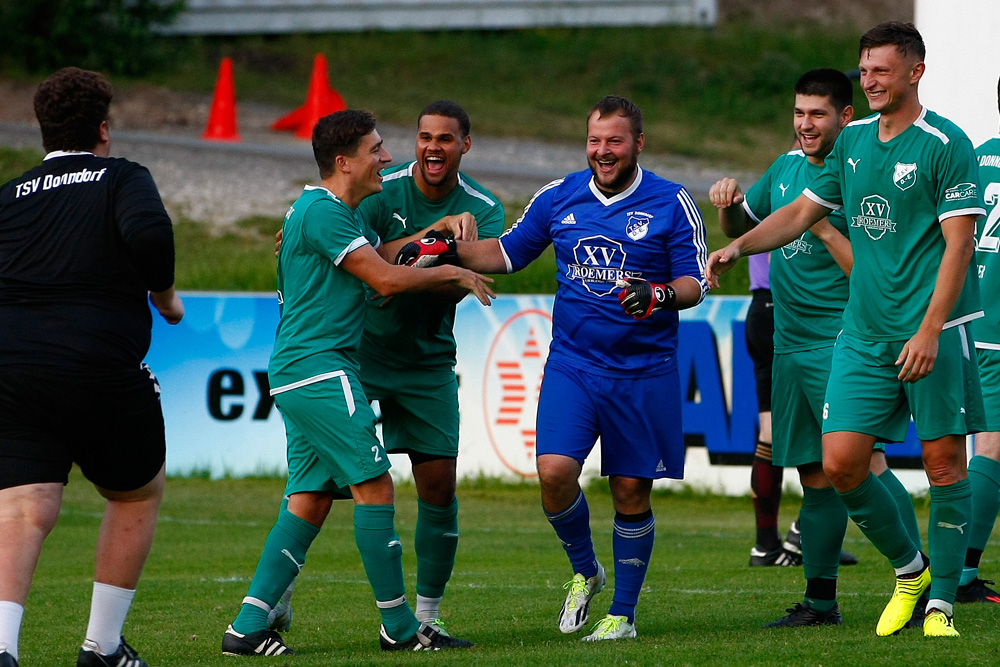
(221, 420)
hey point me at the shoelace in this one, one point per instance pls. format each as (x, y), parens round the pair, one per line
(577, 587)
(607, 625)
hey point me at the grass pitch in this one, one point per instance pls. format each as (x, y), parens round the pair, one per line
(701, 605)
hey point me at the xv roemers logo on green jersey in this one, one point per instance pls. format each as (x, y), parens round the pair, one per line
(800, 244)
(874, 217)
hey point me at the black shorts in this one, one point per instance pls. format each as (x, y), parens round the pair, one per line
(760, 344)
(108, 422)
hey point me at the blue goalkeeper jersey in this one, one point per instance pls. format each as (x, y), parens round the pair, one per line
(652, 230)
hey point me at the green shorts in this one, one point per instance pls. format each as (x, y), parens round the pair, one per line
(798, 388)
(865, 396)
(331, 436)
(419, 408)
(989, 376)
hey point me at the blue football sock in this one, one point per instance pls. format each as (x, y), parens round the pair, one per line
(572, 526)
(633, 546)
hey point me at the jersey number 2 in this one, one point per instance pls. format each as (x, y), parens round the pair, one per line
(988, 241)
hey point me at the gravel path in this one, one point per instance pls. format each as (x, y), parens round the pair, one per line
(262, 174)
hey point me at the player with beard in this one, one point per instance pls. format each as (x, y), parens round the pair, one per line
(625, 240)
(810, 288)
(906, 180)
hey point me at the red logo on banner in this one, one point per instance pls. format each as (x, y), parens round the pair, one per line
(511, 382)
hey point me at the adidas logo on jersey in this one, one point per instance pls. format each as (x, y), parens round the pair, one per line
(660, 467)
(568, 220)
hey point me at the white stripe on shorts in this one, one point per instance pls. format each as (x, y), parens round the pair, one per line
(964, 336)
(345, 384)
(302, 383)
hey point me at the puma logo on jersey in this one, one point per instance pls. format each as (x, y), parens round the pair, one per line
(632, 561)
(960, 528)
(854, 164)
(292, 558)
(568, 220)
(400, 218)
(783, 188)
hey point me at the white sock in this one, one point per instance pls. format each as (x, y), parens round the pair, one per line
(914, 566)
(108, 608)
(428, 608)
(11, 614)
(946, 607)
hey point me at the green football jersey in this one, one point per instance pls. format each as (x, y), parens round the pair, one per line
(986, 330)
(322, 305)
(808, 286)
(894, 195)
(416, 330)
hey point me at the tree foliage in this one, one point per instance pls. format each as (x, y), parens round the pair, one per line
(114, 36)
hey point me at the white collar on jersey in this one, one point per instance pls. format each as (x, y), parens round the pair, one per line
(608, 201)
(65, 154)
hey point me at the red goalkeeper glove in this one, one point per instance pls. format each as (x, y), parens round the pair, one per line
(641, 298)
(432, 250)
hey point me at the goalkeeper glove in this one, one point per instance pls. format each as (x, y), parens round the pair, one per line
(641, 298)
(432, 250)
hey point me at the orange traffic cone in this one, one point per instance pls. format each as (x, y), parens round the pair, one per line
(222, 117)
(321, 100)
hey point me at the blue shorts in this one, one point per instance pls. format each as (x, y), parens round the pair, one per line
(638, 421)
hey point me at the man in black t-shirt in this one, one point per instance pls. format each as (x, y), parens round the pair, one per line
(84, 241)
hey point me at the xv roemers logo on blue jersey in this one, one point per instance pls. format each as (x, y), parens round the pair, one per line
(599, 264)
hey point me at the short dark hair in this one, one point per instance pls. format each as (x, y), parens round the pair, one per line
(827, 82)
(904, 36)
(613, 104)
(339, 133)
(70, 106)
(448, 109)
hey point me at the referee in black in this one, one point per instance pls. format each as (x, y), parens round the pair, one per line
(84, 241)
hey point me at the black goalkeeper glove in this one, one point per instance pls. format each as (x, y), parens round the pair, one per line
(641, 298)
(432, 250)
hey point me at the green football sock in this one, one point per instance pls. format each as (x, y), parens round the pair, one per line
(823, 521)
(283, 557)
(984, 476)
(821, 593)
(382, 555)
(872, 508)
(436, 543)
(904, 503)
(948, 537)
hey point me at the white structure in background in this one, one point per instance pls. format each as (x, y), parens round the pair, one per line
(963, 62)
(229, 17)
